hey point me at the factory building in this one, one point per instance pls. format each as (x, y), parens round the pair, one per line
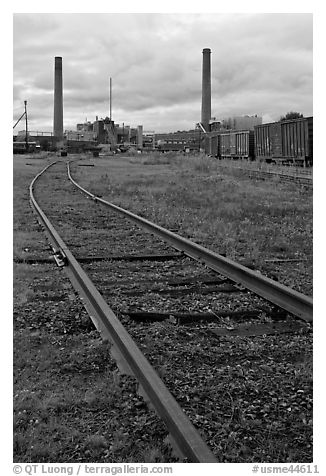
(79, 135)
(182, 141)
(89, 135)
(44, 140)
(99, 131)
(241, 123)
(86, 126)
(105, 131)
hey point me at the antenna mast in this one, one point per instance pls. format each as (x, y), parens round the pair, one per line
(110, 99)
(26, 136)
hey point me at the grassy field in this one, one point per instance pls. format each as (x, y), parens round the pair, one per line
(237, 216)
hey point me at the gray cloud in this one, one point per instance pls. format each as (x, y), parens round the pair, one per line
(261, 63)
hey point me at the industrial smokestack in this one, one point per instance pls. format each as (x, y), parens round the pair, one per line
(206, 89)
(140, 137)
(58, 100)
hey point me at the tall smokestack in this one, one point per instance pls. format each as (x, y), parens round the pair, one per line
(206, 89)
(140, 137)
(58, 100)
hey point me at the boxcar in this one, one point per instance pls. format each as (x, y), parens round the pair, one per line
(211, 144)
(237, 145)
(285, 141)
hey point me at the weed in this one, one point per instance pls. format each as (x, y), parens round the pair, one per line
(232, 215)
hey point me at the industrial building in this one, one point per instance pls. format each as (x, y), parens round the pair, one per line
(43, 140)
(241, 123)
(104, 131)
(187, 141)
(88, 135)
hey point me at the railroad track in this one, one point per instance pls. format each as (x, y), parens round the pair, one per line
(300, 177)
(135, 273)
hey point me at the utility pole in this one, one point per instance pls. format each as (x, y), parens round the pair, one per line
(26, 136)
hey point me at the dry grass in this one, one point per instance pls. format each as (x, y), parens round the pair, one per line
(234, 215)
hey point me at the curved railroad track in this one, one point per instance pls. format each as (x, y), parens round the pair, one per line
(134, 285)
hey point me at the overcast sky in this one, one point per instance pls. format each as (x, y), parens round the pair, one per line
(261, 64)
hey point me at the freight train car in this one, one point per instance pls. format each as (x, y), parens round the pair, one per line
(237, 145)
(286, 142)
(214, 146)
(210, 143)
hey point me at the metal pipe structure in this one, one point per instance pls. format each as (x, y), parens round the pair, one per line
(58, 101)
(206, 89)
(19, 119)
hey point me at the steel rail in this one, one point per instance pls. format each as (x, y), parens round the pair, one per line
(301, 179)
(183, 433)
(276, 293)
(295, 177)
